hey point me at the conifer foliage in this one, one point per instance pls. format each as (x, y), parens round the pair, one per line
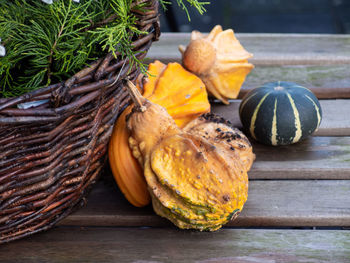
(44, 43)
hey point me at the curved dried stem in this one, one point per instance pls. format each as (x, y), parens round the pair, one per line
(136, 96)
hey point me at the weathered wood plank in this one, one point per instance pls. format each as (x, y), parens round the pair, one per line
(284, 203)
(335, 120)
(326, 82)
(171, 245)
(319, 62)
(270, 49)
(313, 158)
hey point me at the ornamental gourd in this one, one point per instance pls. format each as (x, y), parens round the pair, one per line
(196, 179)
(184, 96)
(219, 60)
(280, 113)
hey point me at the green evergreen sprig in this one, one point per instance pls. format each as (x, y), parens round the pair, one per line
(48, 43)
(200, 6)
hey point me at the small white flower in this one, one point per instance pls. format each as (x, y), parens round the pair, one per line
(2, 51)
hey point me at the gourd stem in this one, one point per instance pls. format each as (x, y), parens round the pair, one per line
(136, 96)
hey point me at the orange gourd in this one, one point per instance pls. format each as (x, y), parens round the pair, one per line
(219, 60)
(184, 96)
(126, 171)
(196, 177)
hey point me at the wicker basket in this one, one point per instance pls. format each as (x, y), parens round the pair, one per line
(51, 154)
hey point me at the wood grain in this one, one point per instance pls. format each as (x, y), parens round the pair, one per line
(270, 203)
(301, 185)
(335, 120)
(313, 158)
(270, 49)
(100, 244)
(326, 82)
(318, 62)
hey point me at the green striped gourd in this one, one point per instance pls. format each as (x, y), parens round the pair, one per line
(280, 113)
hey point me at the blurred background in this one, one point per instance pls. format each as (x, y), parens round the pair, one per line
(264, 16)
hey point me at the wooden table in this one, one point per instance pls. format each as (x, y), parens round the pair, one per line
(298, 209)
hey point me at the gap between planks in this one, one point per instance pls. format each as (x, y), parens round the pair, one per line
(63, 244)
(270, 49)
(286, 203)
(318, 62)
(315, 158)
(335, 119)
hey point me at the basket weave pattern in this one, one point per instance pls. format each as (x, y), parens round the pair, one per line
(50, 155)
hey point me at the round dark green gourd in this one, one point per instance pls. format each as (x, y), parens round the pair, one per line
(280, 113)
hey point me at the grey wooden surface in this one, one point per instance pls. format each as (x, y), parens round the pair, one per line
(271, 49)
(305, 185)
(316, 158)
(335, 119)
(324, 80)
(121, 245)
(271, 203)
(318, 62)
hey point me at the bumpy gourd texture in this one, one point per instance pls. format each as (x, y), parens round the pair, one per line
(219, 60)
(184, 96)
(195, 179)
(222, 134)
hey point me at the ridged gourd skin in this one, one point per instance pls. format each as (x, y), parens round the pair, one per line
(280, 113)
(222, 134)
(219, 60)
(194, 183)
(184, 96)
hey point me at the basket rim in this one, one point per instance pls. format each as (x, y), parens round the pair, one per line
(51, 156)
(150, 15)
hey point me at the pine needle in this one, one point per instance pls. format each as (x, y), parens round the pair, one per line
(47, 44)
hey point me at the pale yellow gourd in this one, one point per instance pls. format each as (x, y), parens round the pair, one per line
(219, 60)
